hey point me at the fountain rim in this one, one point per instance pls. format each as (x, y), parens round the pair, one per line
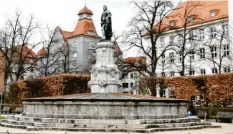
(133, 98)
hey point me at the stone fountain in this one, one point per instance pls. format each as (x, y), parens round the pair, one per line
(105, 109)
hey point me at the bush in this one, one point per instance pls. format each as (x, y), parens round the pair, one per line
(214, 89)
(12, 106)
(212, 111)
(62, 84)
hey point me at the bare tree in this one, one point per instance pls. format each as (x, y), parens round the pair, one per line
(54, 54)
(219, 47)
(17, 53)
(186, 46)
(143, 26)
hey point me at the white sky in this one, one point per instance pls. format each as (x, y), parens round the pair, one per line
(63, 13)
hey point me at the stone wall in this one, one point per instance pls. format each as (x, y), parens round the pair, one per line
(105, 109)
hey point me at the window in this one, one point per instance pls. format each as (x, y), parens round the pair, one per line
(172, 73)
(181, 57)
(214, 70)
(226, 51)
(131, 84)
(190, 18)
(225, 29)
(227, 69)
(171, 40)
(180, 39)
(201, 34)
(124, 75)
(191, 72)
(172, 23)
(213, 51)
(162, 40)
(192, 36)
(172, 57)
(202, 53)
(136, 76)
(191, 56)
(125, 85)
(163, 59)
(181, 73)
(203, 71)
(131, 76)
(212, 13)
(213, 32)
(163, 74)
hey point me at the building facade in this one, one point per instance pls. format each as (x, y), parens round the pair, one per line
(71, 52)
(199, 42)
(74, 52)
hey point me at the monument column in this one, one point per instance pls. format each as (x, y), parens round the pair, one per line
(105, 73)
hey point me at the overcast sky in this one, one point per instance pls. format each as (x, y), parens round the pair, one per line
(63, 13)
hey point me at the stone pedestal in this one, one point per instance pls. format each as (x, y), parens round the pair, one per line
(105, 74)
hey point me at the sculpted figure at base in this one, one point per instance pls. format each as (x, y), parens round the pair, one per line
(106, 24)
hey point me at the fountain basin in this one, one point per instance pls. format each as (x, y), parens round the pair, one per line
(105, 106)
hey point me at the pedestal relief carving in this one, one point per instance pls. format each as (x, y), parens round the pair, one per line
(105, 74)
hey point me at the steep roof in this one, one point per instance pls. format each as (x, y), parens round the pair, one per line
(26, 51)
(132, 60)
(84, 26)
(66, 34)
(201, 10)
(42, 52)
(85, 10)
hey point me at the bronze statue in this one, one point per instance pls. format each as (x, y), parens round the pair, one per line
(106, 24)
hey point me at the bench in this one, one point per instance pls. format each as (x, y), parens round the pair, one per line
(5, 110)
(224, 117)
(202, 114)
(18, 110)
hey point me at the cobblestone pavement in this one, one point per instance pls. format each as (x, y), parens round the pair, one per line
(226, 129)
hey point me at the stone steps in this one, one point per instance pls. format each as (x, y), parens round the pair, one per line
(183, 128)
(146, 126)
(95, 125)
(176, 120)
(119, 129)
(176, 125)
(75, 125)
(3, 124)
(100, 121)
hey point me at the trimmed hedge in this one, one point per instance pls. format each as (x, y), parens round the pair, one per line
(55, 85)
(212, 111)
(12, 106)
(215, 89)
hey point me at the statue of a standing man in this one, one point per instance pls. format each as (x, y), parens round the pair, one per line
(106, 23)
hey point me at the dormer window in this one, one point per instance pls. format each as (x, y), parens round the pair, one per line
(191, 18)
(214, 12)
(172, 23)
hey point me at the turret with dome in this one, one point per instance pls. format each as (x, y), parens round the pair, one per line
(80, 42)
